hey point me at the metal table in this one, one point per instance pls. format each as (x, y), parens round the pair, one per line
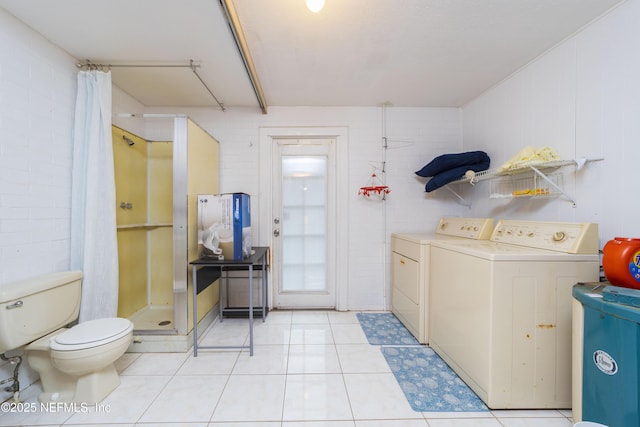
(258, 258)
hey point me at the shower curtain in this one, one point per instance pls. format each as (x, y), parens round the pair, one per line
(94, 245)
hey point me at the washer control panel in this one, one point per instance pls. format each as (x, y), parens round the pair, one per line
(567, 237)
(470, 228)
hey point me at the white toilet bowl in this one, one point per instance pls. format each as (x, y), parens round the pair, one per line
(77, 364)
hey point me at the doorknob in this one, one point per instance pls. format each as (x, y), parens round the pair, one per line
(276, 232)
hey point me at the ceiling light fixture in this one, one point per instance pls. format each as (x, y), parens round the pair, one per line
(314, 6)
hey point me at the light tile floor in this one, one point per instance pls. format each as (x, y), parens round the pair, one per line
(310, 368)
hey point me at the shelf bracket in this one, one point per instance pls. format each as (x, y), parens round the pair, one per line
(553, 184)
(460, 198)
(495, 173)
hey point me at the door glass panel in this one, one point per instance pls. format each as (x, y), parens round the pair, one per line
(304, 216)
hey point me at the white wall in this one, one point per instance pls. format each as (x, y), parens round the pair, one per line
(583, 99)
(416, 135)
(580, 98)
(37, 98)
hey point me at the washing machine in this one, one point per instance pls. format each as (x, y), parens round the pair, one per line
(410, 268)
(501, 310)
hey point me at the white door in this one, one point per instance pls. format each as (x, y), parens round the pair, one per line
(303, 223)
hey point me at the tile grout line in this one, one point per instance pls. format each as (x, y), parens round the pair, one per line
(344, 381)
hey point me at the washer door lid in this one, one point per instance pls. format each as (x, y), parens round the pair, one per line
(94, 331)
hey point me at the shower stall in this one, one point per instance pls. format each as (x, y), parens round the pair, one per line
(162, 162)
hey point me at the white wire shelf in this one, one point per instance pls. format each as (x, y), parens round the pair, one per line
(529, 185)
(522, 167)
(541, 184)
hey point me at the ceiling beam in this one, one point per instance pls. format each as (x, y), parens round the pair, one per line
(241, 43)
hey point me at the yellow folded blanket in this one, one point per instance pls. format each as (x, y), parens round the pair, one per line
(529, 155)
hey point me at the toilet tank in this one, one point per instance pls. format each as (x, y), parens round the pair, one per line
(32, 308)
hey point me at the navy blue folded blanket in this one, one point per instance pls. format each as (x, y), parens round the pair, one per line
(450, 167)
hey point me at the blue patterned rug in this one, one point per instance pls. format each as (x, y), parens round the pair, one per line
(385, 329)
(428, 382)
(425, 379)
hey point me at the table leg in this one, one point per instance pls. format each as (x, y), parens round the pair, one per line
(250, 310)
(265, 289)
(221, 290)
(195, 311)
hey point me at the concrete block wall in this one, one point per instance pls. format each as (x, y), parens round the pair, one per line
(37, 101)
(416, 135)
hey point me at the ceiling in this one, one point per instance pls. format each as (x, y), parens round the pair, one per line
(408, 53)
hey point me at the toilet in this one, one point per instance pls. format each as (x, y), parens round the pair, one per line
(75, 364)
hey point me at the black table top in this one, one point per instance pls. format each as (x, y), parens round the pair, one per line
(257, 253)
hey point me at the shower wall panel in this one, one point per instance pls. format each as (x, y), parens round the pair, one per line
(130, 167)
(160, 161)
(157, 184)
(132, 259)
(196, 155)
(160, 183)
(131, 174)
(161, 265)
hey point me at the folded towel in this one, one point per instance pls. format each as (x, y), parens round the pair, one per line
(528, 156)
(450, 167)
(450, 161)
(447, 176)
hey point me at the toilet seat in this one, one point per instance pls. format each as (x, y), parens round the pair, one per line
(92, 333)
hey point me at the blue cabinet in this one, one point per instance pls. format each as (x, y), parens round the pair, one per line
(611, 355)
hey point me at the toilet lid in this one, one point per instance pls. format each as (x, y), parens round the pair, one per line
(93, 332)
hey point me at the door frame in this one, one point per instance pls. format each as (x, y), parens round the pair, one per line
(268, 150)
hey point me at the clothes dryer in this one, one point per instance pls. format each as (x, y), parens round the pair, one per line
(500, 310)
(410, 268)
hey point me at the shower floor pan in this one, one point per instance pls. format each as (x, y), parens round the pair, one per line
(154, 319)
(150, 336)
